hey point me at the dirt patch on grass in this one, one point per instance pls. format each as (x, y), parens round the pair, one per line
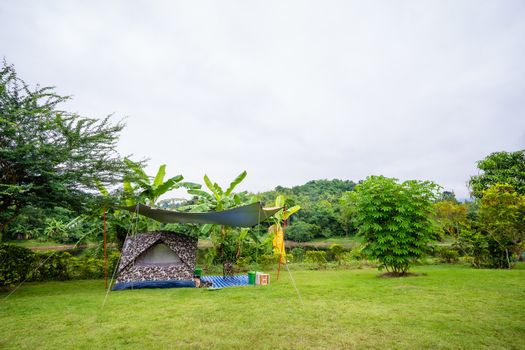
(399, 274)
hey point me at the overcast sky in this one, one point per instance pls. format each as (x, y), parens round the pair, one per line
(290, 91)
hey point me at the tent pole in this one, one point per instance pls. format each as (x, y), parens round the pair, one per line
(105, 251)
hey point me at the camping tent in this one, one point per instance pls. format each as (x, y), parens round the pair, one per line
(157, 260)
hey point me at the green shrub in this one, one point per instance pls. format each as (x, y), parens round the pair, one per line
(394, 220)
(336, 252)
(15, 264)
(446, 254)
(51, 266)
(316, 257)
(244, 261)
(298, 254)
(268, 259)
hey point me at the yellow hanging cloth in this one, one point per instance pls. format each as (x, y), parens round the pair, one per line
(278, 243)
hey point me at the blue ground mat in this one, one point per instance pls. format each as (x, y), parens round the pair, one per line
(226, 281)
(217, 282)
(155, 284)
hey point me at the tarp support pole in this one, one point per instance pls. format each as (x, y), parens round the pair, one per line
(105, 251)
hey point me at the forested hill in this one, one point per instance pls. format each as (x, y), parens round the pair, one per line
(321, 211)
(314, 190)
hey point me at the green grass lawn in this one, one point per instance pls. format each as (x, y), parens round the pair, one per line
(450, 307)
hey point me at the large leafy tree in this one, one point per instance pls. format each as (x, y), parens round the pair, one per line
(500, 168)
(50, 157)
(502, 219)
(450, 216)
(394, 219)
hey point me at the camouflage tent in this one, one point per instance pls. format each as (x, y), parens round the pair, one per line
(157, 259)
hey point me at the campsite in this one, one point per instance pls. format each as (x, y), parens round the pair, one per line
(262, 175)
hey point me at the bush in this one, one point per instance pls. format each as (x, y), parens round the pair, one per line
(298, 254)
(268, 259)
(336, 252)
(446, 254)
(51, 266)
(394, 220)
(15, 264)
(357, 253)
(316, 257)
(18, 264)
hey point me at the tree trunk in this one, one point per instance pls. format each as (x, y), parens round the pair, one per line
(5, 224)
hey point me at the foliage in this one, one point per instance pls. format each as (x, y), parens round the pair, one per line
(316, 257)
(450, 216)
(502, 217)
(346, 213)
(317, 190)
(227, 241)
(448, 196)
(336, 252)
(320, 207)
(324, 215)
(394, 219)
(446, 254)
(298, 254)
(500, 168)
(481, 250)
(140, 188)
(15, 264)
(18, 264)
(302, 231)
(51, 266)
(50, 157)
(276, 229)
(150, 191)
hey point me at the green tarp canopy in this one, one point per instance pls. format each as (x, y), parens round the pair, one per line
(245, 216)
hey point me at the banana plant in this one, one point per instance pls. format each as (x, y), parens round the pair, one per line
(218, 200)
(150, 191)
(226, 240)
(276, 229)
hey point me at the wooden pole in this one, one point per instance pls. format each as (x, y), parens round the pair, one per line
(105, 251)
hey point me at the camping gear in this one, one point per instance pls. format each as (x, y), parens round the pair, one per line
(262, 279)
(226, 281)
(167, 259)
(157, 260)
(245, 216)
(251, 277)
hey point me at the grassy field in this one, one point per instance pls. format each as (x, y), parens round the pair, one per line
(448, 307)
